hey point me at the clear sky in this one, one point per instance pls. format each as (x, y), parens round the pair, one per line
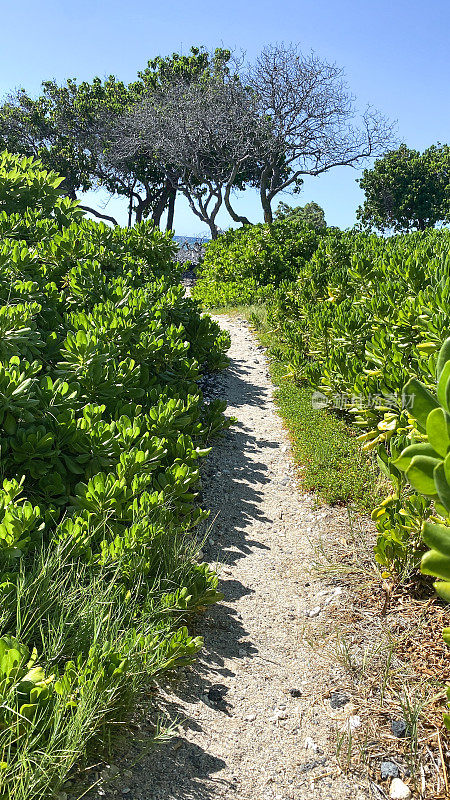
(395, 54)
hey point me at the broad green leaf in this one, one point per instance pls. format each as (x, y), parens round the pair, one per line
(420, 474)
(442, 588)
(443, 387)
(437, 564)
(437, 537)
(438, 430)
(442, 487)
(443, 357)
(420, 401)
(407, 455)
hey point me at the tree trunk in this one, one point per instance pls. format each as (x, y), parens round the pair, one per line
(213, 228)
(160, 207)
(234, 216)
(130, 210)
(268, 216)
(171, 209)
(264, 195)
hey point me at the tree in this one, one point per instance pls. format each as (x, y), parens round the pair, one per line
(406, 189)
(135, 171)
(310, 120)
(311, 215)
(70, 128)
(201, 133)
(61, 128)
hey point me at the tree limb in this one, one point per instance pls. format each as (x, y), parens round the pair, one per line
(98, 214)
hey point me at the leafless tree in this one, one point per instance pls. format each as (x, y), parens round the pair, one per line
(311, 123)
(203, 134)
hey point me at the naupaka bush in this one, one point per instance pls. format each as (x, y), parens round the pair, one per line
(102, 426)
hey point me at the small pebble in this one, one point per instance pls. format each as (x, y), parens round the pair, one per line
(399, 790)
(295, 692)
(215, 695)
(309, 744)
(280, 715)
(250, 717)
(338, 699)
(126, 790)
(388, 769)
(398, 728)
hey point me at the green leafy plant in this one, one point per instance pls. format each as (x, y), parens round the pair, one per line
(102, 427)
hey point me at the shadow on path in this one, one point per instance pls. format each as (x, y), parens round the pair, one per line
(235, 478)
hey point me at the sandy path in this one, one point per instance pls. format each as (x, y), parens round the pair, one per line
(252, 744)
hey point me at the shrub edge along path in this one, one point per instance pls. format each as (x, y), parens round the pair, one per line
(255, 717)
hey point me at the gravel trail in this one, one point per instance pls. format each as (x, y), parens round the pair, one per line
(254, 709)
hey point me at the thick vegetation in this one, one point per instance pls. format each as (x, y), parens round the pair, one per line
(246, 265)
(102, 425)
(406, 189)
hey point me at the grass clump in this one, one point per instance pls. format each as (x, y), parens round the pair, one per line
(330, 459)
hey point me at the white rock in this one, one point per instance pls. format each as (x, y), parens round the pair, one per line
(250, 717)
(354, 723)
(309, 744)
(399, 790)
(280, 715)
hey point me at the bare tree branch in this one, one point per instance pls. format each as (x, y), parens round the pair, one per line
(98, 214)
(311, 120)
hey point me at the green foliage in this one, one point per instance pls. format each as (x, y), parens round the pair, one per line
(68, 127)
(311, 215)
(324, 447)
(426, 464)
(406, 189)
(102, 425)
(243, 265)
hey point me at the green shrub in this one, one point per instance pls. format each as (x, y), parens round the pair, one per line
(102, 425)
(240, 262)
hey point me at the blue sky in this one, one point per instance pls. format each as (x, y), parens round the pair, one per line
(395, 55)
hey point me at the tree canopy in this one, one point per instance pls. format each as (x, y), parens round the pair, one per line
(311, 215)
(407, 189)
(312, 124)
(202, 124)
